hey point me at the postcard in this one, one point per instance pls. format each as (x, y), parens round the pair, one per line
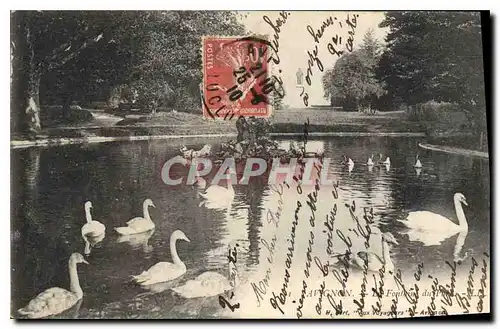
(249, 165)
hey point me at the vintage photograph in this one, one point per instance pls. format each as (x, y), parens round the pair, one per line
(249, 164)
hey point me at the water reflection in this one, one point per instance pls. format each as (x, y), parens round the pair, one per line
(138, 241)
(91, 242)
(50, 185)
(459, 245)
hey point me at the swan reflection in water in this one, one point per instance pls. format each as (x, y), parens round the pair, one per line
(372, 258)
(91, 242)
(209, 284)
(418, 171)
(138, 241)
(216, 196)
(459, 244)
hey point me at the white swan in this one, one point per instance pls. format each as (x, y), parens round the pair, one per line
(92, 228)
(208, 284)
(200, 182)
(190, 153)
(431, 229)
(417, 164)
(347, 161)
(56, 300)
(164, 271)
(139, 224)
(370, 161)
(217, 196)
(373, 261)
(387, 161)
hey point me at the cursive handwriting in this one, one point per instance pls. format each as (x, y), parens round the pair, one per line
(261, 288)
(232, 258)
(410, 295)
(311, 61)
(281, 297)
(301, 299)
(448, 291)
(308, 254)
(224, 302)
(394, 307)
(276, 26)
(378, 291)
(320, 298)
(275, 217)
(432, 307)
(470, 279)
(318, 34)
(361, 302)
(352, 23)
(484, 277)
(313, 198)
(343, 275)
(329, 222)
(364, 231)
(270, 248)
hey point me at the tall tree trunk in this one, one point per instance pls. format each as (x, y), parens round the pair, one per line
(26, 75)
(32, 109)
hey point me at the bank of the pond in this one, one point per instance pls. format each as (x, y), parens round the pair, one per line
(178, 125)
(454, 150)
(47, 142)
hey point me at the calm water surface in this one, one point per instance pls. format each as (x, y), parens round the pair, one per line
(50, 186)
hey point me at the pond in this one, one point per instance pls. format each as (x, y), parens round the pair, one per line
(51, 185)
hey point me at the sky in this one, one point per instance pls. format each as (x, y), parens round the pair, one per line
(295, 41)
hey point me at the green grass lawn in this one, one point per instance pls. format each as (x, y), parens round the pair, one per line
(286, 121)
(283, 121)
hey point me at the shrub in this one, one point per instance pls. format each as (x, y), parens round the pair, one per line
(438, 116)
(53, 115)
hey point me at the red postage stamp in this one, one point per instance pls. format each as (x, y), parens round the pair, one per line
(236, 78)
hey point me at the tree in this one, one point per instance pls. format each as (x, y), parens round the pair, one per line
(151, 50)
(434, 56)
(170, 58)
(370, 49)
(352, 82)
(44, 42)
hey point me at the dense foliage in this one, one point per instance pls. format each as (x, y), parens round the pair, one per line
(429, 58)
(351, 83)
(65, 56)
(435, 56)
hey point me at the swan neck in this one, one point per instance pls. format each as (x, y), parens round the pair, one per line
(462, 221)
(173, 252)
(229, 184)
(74, 284)
(88, 216)
(145, 210)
